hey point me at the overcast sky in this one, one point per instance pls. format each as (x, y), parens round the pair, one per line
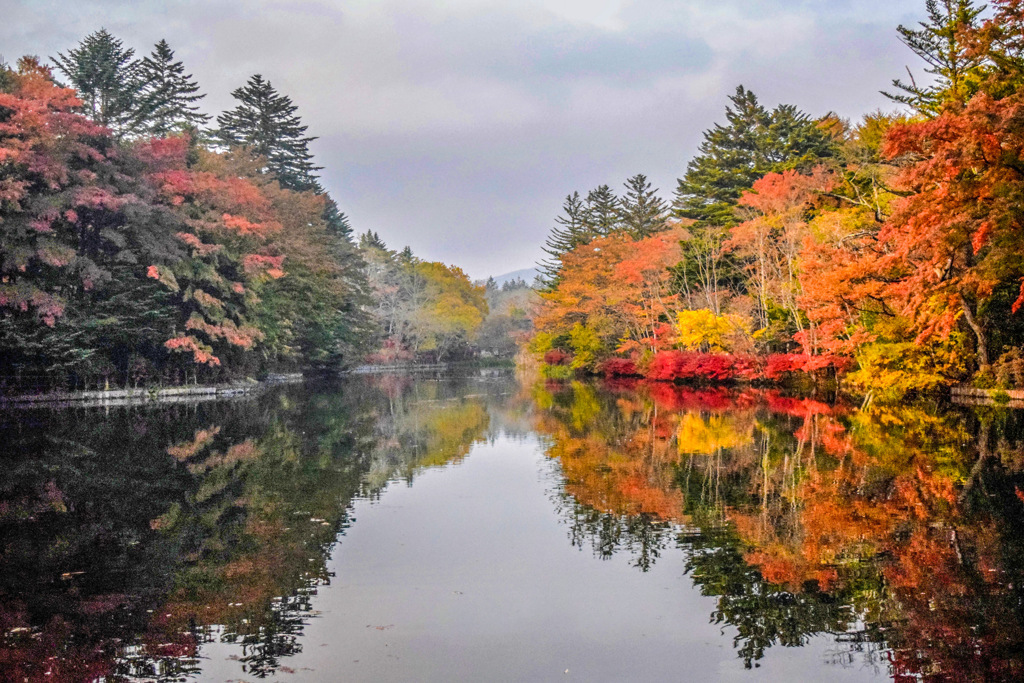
(458, 127)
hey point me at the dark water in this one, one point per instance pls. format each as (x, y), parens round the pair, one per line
(472, 528)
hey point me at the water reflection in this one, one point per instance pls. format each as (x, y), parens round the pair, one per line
(133, 540)
(897, 530)
(134, 536)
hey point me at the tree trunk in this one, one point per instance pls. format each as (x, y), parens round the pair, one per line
(979, 332)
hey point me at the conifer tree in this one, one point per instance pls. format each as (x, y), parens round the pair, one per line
(337, 221)
(942, 41)
(265, 123)
(793, 140)
(107, 78)
(602, 211)
(753, 142)
(169, 96)
(643, 211)
(371, 240)
(572, 230)
(728, 163)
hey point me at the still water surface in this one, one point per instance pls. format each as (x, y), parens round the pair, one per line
(479, 528)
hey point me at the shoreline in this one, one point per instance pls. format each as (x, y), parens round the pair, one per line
(171, 394)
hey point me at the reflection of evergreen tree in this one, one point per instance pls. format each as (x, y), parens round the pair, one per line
(641, 536)
(182, 510)
(763, 614)
(934, 581)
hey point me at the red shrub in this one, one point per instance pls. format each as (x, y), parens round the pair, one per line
(619, 367)
(781, 364)
(670, 366)
(557, 357)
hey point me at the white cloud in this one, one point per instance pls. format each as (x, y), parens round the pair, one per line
(458, 127)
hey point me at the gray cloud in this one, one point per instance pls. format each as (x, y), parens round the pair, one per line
(457, 128)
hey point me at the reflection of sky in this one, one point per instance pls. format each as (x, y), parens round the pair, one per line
(468, 575)
(458, 127)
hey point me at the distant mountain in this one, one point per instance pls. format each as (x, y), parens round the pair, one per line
(526, 274)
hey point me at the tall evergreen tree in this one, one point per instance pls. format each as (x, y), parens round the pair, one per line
(169, 96)
(602, 211)
(752, 143)
(265, 123)
(642, 211)
(728, 162)
(793, 140)
(942, 41)
(337, 222)
(572, 230)
(108, 80)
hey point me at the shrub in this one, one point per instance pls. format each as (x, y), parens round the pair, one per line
(672, 366)
(556, 372)
(618, 367)
(557, 357)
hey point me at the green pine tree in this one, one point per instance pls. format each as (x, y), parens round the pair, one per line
(169, 96)
(941, 42)
(371, 240)
(602, 211)
(642, 212)
(108, 80)
(337, 222)
(728, 163)
(572, 230)
(753, 142)
(265, 123)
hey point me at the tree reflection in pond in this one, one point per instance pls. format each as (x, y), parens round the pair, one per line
(897, 530)
(131, 537)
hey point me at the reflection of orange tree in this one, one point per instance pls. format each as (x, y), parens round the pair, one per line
(906, 520)
(621, 454)
(888, 493)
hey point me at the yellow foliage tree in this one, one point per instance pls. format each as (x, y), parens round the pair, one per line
(702, 330)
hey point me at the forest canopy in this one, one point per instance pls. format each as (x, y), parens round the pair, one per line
(891, 247)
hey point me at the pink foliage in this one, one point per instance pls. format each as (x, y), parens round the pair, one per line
(200, 247)
(200, 353)
(163, 154)
(98, 198)
(271, 265)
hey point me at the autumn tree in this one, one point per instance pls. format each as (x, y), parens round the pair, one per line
(770, 241)
(451, 312)
(618, 289)
(156, 260)
(76, 240)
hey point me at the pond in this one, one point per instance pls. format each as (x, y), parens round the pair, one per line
(484, 527)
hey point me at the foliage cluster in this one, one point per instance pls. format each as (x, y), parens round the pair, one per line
(132, 253)
(891, 246)
(425, 310)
